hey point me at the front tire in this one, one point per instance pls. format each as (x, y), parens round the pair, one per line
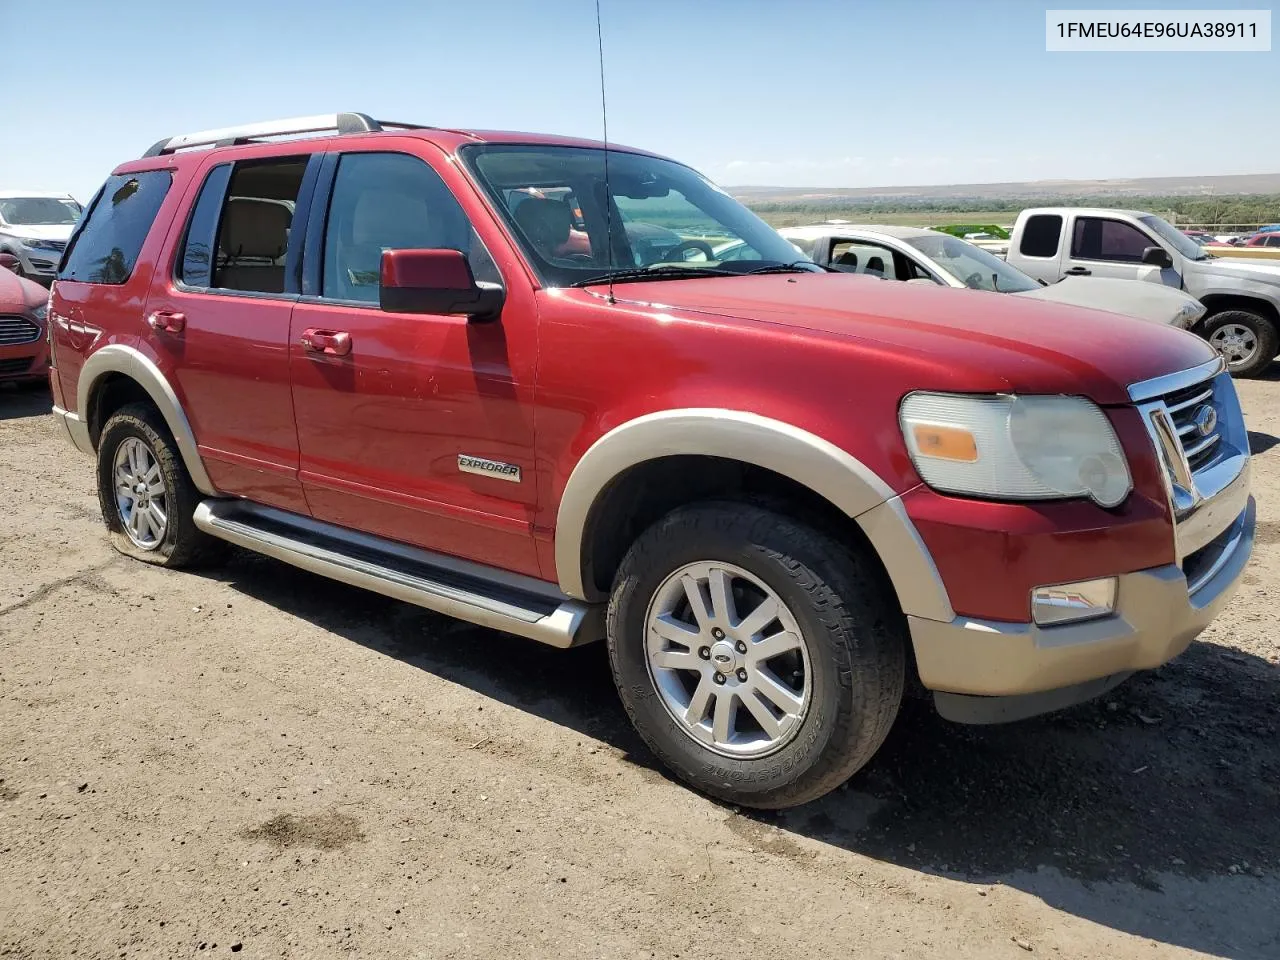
(760, 660)
(148, 500)
(1248, 341)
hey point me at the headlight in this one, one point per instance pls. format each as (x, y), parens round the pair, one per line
(38, 244)
(1015, 448)
(41, 312)
(1188, 314)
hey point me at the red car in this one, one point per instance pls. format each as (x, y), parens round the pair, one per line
(774, 491)
(24, 346)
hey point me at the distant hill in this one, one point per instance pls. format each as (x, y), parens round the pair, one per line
(1235, 185)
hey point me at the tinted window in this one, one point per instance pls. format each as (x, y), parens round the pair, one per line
(195, 267)
(1040, 235)
(390, 201)
(1095, 238)
(858, 256)
(1273, 241)
(107, 245)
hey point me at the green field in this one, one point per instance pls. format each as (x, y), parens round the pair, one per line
(904, 218)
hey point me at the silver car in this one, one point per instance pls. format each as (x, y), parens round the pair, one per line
(35, 227)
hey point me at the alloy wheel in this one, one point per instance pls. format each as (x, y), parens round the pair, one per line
(141, 497)
(1236, 342)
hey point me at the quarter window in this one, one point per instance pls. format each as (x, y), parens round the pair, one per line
(108, 243)
(1096, 238)
(390, 201)
(1040, 235)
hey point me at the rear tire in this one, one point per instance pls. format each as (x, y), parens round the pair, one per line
(148, 500)
(843, 671)
(1247, 340)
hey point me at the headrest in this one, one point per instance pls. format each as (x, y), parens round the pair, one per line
(255, 228)
(545, 222)
(876, 264)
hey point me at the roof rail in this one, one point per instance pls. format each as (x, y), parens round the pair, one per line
(231, 136)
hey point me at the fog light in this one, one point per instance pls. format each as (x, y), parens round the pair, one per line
(1069, 602)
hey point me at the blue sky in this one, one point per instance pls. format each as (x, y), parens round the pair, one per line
(785, 92)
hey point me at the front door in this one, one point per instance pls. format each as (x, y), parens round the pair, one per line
(402, 417)
(1103, 247)
(223, 322)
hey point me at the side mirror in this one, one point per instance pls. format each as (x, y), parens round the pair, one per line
(437, 282)
(1157, 257)
(9, 262)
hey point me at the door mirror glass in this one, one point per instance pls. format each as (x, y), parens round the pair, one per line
(1157, 257)
(436, 282)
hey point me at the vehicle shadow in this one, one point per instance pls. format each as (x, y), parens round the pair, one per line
(18, 401)
(1154, 810)
(1261, 442)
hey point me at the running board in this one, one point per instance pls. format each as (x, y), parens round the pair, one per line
(458, 588)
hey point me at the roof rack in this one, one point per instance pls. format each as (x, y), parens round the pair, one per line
(232, 136)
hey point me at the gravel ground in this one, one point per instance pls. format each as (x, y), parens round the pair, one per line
(259, 761)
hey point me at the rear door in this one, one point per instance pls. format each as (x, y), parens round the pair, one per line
(221, 319)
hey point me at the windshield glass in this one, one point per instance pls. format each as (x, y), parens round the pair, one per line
(1175, 238)
(662, 216)
(974, 267)
(39, 211)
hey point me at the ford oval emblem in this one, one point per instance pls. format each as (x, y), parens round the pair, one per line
(1206, 420)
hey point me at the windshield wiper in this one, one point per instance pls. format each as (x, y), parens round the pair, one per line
(798, 266)
(656, 272)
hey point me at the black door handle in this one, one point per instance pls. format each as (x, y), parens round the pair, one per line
(1078, 272)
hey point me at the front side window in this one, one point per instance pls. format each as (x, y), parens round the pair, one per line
(1097, 238)
(859, 256)
(391, 201)
(576, 224)
(109, 242)
(976, 268)
(39, 212)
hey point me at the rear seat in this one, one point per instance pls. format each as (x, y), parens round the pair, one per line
(251, 245)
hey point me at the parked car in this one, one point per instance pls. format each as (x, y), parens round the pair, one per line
(1241, 297)
(24, 346)
(773, 490)
(1201, 237)
(916, 255)
(34, 228)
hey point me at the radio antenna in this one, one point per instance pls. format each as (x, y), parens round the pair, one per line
(604, 120)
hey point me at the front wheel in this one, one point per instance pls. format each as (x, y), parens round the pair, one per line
(760, 660)
(1246, 340)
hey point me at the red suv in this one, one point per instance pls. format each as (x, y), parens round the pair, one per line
(383, 353)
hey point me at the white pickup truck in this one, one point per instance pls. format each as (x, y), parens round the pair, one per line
(1241, 297)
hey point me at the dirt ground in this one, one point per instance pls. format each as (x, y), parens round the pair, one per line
(259, 761)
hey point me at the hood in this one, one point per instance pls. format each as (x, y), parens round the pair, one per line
(1133, 298)
(1263, 271)
(18, 295)
(40, 231)
(999, 343)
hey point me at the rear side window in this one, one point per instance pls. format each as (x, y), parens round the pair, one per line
(1040, 235)
(108, 243)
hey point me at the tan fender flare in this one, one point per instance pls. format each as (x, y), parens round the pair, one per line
(806, 458)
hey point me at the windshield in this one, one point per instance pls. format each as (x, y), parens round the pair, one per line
(39, 211)
(1175, 238)
(663, 217)
(974, 267)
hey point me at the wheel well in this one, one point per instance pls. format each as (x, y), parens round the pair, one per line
(110, 393)
(1218, 302)
(646, 492)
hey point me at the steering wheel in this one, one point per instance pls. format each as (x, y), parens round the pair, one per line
(974, 280)
(676, 253)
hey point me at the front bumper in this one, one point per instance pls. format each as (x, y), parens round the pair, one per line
(25, 361)
(1157, 616)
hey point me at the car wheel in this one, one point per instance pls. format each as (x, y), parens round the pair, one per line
(1246, 340)
(147, 497)
(760, 660)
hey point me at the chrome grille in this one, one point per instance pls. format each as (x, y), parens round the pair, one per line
(1196, 418)
(17, 330)
(1198, 431)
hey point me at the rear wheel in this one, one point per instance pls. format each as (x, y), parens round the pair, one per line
(756, 657)
(148, 500)
(1246, 340)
